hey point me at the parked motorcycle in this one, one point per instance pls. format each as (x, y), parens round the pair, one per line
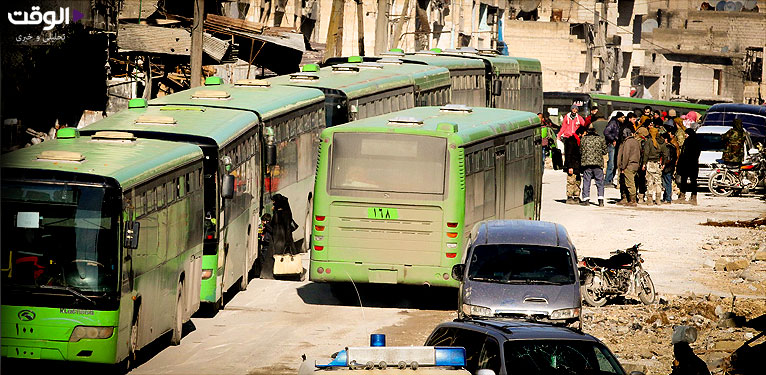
(620, 275)
(736, 179)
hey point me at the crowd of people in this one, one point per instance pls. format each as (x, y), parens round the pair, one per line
(651, 156)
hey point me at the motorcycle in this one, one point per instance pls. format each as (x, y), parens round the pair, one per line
(620, 275)
(736, 179)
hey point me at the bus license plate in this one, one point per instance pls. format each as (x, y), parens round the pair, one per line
(382, 213)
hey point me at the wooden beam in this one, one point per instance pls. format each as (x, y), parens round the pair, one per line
(399, 24)
(196, 43)
(335, 30)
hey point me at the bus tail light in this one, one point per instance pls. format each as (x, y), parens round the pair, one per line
(327, 271)
(209, 236)
(320, 270)
(318, 247)
(319, 228)
(85, 332)
(206, 274)
(451, 255)
(452, 245)
(319, 218)
(452, 234)
(451, 225)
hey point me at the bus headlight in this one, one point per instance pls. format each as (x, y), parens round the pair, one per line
(85, 332)
(206, 274)
(473, 310)
(565, 314)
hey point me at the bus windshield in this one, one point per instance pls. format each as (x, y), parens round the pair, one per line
(59, 236)
(400, 163)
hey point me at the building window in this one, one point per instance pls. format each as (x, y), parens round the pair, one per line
(675, 83)
(717, 82)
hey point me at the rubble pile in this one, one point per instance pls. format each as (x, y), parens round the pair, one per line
(641, 335)
(735, 264)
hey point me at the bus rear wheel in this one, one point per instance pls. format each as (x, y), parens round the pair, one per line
(175, 338)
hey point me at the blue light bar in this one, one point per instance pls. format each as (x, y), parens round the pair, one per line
(377, 339)
(340, 360)
(450, 356)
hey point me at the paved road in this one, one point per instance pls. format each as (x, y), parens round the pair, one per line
(266, 328)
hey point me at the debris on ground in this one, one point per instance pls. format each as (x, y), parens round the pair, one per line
(755, 223)
(641, 335)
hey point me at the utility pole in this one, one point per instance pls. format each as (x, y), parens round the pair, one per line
(335, 30)
(196, 43)
(360, 26)
(381, 27)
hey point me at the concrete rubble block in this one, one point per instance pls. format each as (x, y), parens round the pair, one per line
(750, 274)
(714, 360)
(720, 264)
(737, 265)
(760, 255)
(632, 366)
(727, 345)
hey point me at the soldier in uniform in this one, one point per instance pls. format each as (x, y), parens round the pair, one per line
(734, 139)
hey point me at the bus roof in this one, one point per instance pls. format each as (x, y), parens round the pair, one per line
(130, 163)
(268, 102)
(425, 76)
(217, 124)
(650, 102)
(446, 61)
(529, 64)
(354, 84)
(472, 126)
(500, 64)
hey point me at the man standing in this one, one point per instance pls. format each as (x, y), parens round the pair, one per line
(688, 167)
(669, 158)
(572, 165)
(734, 139)
(570, 123)
(628, 161)
(592, 151)
(592, 116)
(654, 148)
(611, 135)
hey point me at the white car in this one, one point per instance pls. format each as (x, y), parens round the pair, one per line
(711, 145)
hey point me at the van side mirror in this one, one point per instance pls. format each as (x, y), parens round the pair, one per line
(131, 234)
(497, 88)
(271, 155)
(458, 271)
(227, 187)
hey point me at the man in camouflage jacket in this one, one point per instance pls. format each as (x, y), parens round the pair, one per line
(592, 151)
(735, 143)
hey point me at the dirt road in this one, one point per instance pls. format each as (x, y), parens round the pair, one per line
(265, 329)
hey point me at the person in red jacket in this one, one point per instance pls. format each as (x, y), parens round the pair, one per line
(570, 123)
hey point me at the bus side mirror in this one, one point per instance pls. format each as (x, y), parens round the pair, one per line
(227, 187)
(497, 88)
(131, 234)
(271, 155)
(457, 271)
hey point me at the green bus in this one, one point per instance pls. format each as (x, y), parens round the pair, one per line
(558, 104)
(479, 79)
(355, 91)
(396, 195)
(261, 139)
(101, 245)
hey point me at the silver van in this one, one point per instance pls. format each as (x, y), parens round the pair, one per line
(520, 269)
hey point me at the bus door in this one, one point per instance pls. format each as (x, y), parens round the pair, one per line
(500, 182)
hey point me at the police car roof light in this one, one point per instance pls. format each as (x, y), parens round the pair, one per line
(450, 356)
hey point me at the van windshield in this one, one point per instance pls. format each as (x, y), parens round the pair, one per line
(508, 263)
(710, 142)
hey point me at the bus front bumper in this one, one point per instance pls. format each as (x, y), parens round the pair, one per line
(381, 273)
(85, 350)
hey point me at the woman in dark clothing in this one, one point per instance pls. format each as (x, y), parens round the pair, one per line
(281, 227)
(686, 362)
(688, 167)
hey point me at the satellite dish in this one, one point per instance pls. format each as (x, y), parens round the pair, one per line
(749, 4)
(529, 5)
(721, 6)
(730, 7)
(649, 25)
(738, 6)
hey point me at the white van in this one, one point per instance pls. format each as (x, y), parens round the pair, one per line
(711, 146)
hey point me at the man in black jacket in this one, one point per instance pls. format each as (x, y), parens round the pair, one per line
(688, 167)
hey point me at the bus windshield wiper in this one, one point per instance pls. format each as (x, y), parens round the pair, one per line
(74, 291)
